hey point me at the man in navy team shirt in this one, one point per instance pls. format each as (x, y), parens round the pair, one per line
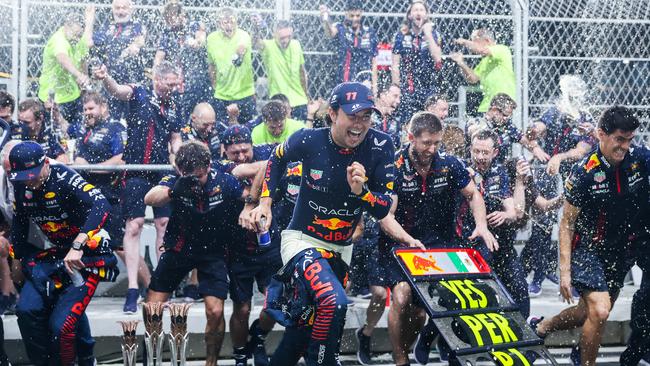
(604, 196)
(200, 197)
(428, 184)
(183, 44)
(248, 262)
(417, 59)
(346, 169)
(153, 126)
(118, 45)
(203, 127)
(356, 43)
(102, 143)
(71, 213)
(31, 114)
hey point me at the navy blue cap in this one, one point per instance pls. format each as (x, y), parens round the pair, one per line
(352, 98)
(236, 135)
(26, 160)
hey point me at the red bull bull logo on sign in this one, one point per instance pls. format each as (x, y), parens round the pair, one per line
(424, 264)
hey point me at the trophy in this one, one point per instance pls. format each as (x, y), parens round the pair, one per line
(129, 342)
(178, 332)
(153, 332)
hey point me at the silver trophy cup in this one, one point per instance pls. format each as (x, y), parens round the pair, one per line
(178, 333)
(153, 334)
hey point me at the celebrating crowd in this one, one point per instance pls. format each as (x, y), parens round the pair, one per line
(303, 197)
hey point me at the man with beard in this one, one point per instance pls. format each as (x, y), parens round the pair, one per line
(427, 185)
(387, 101)
(118, 45)
(230, 67)
(346, 169)
(356, 43)
(183, 44)
(284, 63)
(491, 180)
(102, 143)
(153, 126)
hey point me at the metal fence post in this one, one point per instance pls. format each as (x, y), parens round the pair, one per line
(520, 41)
(23, 41)
(15, 4)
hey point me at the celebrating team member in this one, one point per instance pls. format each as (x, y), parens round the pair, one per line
(494, 73)
(284, 63)
(417, 58)
(603, 195)
(230, 68)
(203, 127)
(346, 169)
(493, 183)
(60, 281)
(118, 45)
(428, 183)
(356, 42)
(31, 113)
(248, 261)
(198, 195)
(153, 126)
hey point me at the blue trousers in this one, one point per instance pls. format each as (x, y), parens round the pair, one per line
(54, 326)
(319, 342)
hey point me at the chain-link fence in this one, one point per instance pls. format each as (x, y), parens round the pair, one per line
(9, 45)
(603, 40)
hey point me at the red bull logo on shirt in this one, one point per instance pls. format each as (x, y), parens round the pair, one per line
(53, 227)
(295, 171)
(372, 199)
(332, 224)
(592, 163)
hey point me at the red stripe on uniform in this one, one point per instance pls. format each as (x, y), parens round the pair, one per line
(149, 145)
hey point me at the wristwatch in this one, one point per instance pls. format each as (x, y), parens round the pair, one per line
(77, 245)
(248, 200)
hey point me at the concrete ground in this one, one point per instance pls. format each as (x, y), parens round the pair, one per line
(104, 312)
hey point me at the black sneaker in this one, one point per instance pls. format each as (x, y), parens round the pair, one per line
(575, 355)
(422, 347)
(239, 355)
(363, 354)
(260, 358)
(255, 346)
(533, 321)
